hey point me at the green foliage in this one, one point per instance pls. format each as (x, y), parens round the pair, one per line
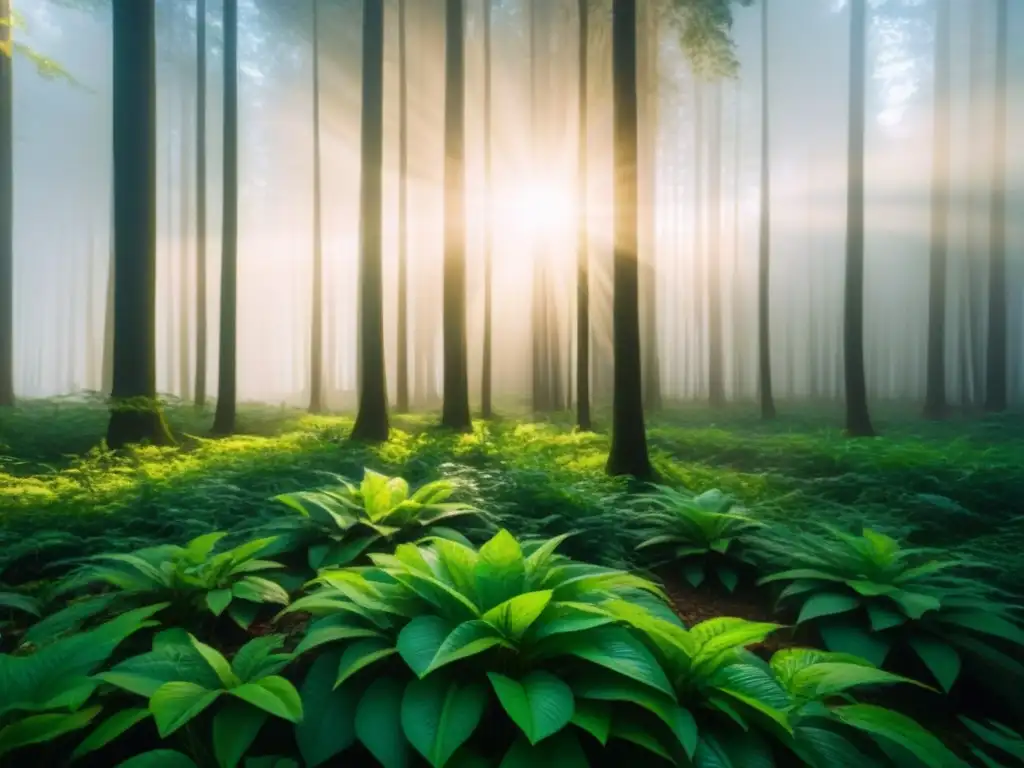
(701, 532)
(338, 524)
(866, 594)
(995, 738)
(194, 580)
(705, 28)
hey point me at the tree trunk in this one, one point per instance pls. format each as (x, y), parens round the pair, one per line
(316, 337)
(227, 381)
(6, 211)
(135, 413)
(583, 265)
(858, 421)
(201, 330)
(996, 368)
(402, 360)
(372, 420)
(935, 397)
(628, 455)
(486, 377)
(716, 375)
(648, 44)
(764, 349)
(184, 285)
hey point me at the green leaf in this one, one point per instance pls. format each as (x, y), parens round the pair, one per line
(562, 750)
(635, 731)
(500, 570)
(728, 576)
(330, 629)
(218, 600)
(328, 724)
(540, 704)
(168, 662)
(36, 729)
(941, 659)
(986, 624)
(883, 618)
(176, 703)
(828, 679)
(256, 589)
(843, 638)
(915, 605)
(615, 648)
(158, 758)
(998, 736)
(115, 725)
(361, 654)
(22, 603)
(693, 572)
(886, 724)
(801, 573)
(235, 728)
(824, 748)
(594, 717)
(468, 639)
(274, 695)
(826, 604)
(420, 640)
(257, 659)
(378, 723)
(439, 716)
(514, 616)
(217, 663)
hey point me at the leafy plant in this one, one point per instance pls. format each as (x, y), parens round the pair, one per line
(43, 695)
(183, 677)
(339, 523)
(194, 580)
(705, 532)
(867, 595)
(996, 737)
(16, 602)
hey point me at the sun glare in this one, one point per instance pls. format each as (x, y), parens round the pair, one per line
(542, 208)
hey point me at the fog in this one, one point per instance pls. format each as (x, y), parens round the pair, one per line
(62, 196)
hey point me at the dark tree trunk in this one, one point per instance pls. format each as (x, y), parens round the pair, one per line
(764, 349)
(858, 421)
(402, 361)
(316, 337)
(583, 266)
(716, 374)
(372, 420)
(227, 381)
(935, 397)
(996, 368)
(201, 309)
(455, 410)
(628, 455)
(135, 413)
(6, 213)
(486, 377)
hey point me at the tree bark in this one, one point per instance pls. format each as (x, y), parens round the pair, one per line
(201, 309)
(372, 419)
(227, 375)
(486, 376)
(583, 420)
(628, 454)
(716, 374)
(135, 414)
(316, 338)
(764, 349)
(402, 358)
(996, 367)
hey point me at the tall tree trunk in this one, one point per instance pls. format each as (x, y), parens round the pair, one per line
(699, 218)
(372, 419)
(201, 309)
(716, 374)
(628, 454)
(648, 46)
(316, 337)
(764, 348)
(6, 211)
(541, 377)
(996, 368)
(227, 376)
(974, 301)
(486, 377)
(583, 242)
(935, 397)
(184, 259)
(403, 215)
(135, 413)
(455, 410)
(858, 421)
(107, 372)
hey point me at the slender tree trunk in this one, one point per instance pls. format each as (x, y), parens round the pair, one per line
(996, 369)
(648, 45)
(201, 309)
(583, 243)
(486, 377)
(455, 410)
(6, 211)
(699, 219)
(107, 373)
(316, 337)
(858, 421)
(764, 348)
(935, 398)
(184, 259)
(227, 378)
(372, 420)
(628, 455)
(716, 373)
(403, 214)
(135, 413)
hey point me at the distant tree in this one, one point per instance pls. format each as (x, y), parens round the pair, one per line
(996, 366)
(135, 414)
(716, 353)
(201, 309)
(486, 380)
(764, 348)
(372, 418)
(455, 409)
(583, 420)
(6, 209)
(316, 337)
(858, 421)
(403, 213)
(227, 377)
(935, 397)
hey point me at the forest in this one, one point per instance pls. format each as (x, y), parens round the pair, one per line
(466, 383)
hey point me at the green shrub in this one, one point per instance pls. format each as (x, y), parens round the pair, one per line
(867, 595)
(705, 532)
(994, 737)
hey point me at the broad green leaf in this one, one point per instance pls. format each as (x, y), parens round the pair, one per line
(728, 576)
(218, 600)
(217, 663)
(616, 649)
(439, 716)
(169, 662)
(826, 604)
(998, 736)
(257, 659)
(115, 725)
(200, 547)
(36, 729)
(693, 572)
(235, 727)
(378, 723)
(915, 605)
(986, 624)
(158, 758)
(594, 717)
(941, 659)
(540, 704)
(562, 750)
(843, 638)
(176, 703)
(566, 618)
(824, 748)
(886, 724)
(828, 679)
(420, 640)
(361, 654)
(19, 602)
(500, 570)
(635, 731)
(467, 639)
(514, 616)
(801, 573)
(274, 695)
(331, 629)
(883, 618)
(328, 724)
(256, 589)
